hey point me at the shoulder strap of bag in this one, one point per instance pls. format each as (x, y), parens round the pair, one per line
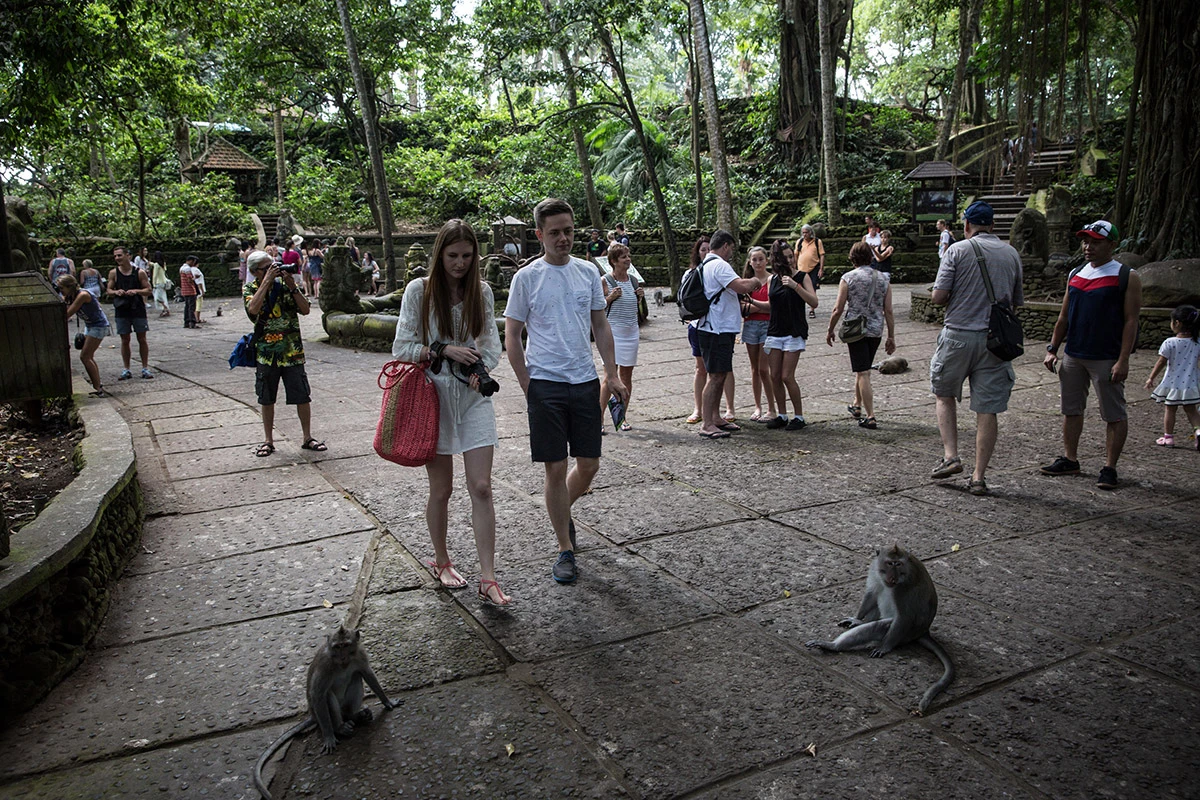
(260, 321)
(987, 279)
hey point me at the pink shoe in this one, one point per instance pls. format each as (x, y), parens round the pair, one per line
(1166, 440)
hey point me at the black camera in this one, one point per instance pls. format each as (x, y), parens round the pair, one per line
(293, 268)
(487, 384)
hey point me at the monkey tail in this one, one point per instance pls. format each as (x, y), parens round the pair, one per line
(295, 730)
(947, 678)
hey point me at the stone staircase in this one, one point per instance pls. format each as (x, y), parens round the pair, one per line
(1007, 201)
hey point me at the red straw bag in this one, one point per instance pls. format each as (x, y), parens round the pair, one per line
(408, 422)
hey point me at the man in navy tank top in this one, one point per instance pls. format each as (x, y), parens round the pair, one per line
(1098, 324)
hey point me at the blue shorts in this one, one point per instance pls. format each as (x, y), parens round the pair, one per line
(97, 331)
(128, 325)
(754, 331)
(693, 341)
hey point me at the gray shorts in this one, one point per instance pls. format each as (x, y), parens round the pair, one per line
(963, 355)
(1074, 375)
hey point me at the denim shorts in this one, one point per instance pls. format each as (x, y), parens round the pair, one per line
(97, 331)
(693, 341)
(128, 325)
(754, 331)
(788, 344)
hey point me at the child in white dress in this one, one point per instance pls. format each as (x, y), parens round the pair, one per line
(1181, 385)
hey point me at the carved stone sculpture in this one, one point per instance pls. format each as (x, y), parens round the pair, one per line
(1030, 236)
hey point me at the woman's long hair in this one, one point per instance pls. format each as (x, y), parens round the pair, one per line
(747, 270)
(696, 250)
(779, 262)
(437, 289)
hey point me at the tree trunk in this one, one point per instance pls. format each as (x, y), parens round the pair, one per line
(375, 150)
(967, 11)
(712, 116)
(183, 143)
(595, 217)
(799, 79)
(6, 265)
(828, 132)
(280, 157)
(1164, 211)
(635, 120)
(693, 101)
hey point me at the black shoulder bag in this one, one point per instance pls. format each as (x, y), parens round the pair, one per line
(1005, 338)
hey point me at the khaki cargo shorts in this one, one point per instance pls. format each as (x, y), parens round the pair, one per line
(963, 355)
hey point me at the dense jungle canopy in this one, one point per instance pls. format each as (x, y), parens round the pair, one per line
(660, 115)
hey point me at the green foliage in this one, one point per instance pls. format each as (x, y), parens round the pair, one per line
(887, 196)
(1092, 198)
(206, 208)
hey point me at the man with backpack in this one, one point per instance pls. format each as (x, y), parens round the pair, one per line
(1098, 323)
(717, 328)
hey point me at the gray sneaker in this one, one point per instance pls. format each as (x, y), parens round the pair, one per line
(565, 570)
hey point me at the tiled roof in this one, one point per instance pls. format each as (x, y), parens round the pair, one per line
(935, 169)
(222, 155)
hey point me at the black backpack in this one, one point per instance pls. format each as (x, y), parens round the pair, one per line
(693, 302)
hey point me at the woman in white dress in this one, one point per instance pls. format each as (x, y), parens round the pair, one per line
(451, 315)
(622, 294)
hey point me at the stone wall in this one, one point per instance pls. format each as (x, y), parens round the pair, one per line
(1038, 320)
(56, 583)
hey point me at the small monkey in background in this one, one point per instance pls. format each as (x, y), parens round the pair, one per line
(897, 609)
(335, 696)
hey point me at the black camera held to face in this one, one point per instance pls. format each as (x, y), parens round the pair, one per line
(293, 268)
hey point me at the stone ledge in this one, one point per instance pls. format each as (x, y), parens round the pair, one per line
(56, 584)
(66, 526)
(1038, 319)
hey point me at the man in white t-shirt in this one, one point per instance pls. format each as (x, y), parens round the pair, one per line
(559, 301)
(945, 238)
(716, 331)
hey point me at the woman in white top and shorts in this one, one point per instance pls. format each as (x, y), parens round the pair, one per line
(451, 315)
(622, 300)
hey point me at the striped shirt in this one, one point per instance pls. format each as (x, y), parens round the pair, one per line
(623, 311)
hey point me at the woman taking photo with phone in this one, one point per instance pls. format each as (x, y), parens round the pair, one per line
(450, 316)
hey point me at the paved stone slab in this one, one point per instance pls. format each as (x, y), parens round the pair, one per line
(718, 697)
(185, 539)
(240, 415)
(217, 767)
(230, 461)
(986, 645)
(168, 389)
(392, 571)
(1170, 649)
(618, 595)
(748, 563)
(452, 741)
(1066, 587)
(209, 403)
(420, 638)
(278, 482)
(127, 698)
(863, 526)
(244, 435)
(243, 587)
(1050, 729)
(628, 513)
(386, 489)
(906, 761)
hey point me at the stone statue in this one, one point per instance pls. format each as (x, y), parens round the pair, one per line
(417, 261)
(1058, 220)
(232, 251)
(26, 255)
(342, 282)
(286, 228)
(1030, 236)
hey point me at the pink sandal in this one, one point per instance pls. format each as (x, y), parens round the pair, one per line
(452, 580)
(485, 594)
(1166, 440)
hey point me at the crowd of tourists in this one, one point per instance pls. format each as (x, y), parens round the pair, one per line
(558, 304)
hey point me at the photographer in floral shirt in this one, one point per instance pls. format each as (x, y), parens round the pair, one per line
(273, 296)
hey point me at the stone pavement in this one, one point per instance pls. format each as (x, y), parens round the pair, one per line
(675, 667)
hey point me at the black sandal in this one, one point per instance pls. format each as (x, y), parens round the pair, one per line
(868, 423)
(265, 449)
(313, 444)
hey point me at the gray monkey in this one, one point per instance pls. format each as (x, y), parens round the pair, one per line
(898, 608)
(335, 696)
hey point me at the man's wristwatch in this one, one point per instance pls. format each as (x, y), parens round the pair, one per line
(1052, 349)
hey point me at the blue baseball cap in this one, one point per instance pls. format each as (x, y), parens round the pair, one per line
(979, 213)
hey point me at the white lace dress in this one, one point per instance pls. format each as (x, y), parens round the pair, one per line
(467, 419)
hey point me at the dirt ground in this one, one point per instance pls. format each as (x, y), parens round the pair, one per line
(36, 461)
